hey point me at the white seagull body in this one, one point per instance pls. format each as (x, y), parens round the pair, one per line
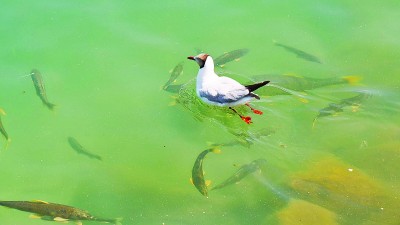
(222, 91)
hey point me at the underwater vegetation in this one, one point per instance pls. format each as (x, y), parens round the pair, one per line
(300, 212)
(337, 186)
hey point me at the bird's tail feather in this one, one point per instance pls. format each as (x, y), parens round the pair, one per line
(253, 87)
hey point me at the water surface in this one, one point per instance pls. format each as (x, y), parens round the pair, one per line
(104, 65)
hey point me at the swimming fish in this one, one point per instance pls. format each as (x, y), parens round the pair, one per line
(334, 108)
(40, 90)
(174, 88)
(230, 56)
(80, 149)
(176, 72)
(299, 53)
(198, 174)
(241, 173)
(3, 131)
(299, 83)
(55, 212)
(246, 138)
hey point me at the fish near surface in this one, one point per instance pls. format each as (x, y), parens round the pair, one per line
(176, 72)
(40, 89)
(198, 174)
(299, 53)
(174, 88)
(230, 56)
(3, 131)
(334, 108)
(53, 211)
(299, 83)
(241, 173)
(80, 149)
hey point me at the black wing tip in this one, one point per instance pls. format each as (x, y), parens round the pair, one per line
(253, 87)
(265, 82)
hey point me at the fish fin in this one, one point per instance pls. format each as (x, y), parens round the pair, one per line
(172, 103)
(78, 222)
(213, 144)
(118, 221)
(35, 216)
(216, 150)
(293, 75)
(191, 181)
(60, 219)
(303, 100)
(352, 79)
(208, 183)
(314, 121)
(49, 105)
(2, 112)
(39, 201)
(282, 145)
(210, 143)
(7, 143)
(355, 108)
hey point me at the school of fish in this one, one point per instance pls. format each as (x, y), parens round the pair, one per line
(281, 84)
(45, 210)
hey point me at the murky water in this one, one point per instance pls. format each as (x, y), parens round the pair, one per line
(104, 65)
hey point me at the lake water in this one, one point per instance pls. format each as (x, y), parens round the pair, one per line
(104, 65)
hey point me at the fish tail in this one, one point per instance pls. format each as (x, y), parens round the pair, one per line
(314, 121)
(7, 143)
(215, 150)
(50, 105)
(352, 79)
(117, 221)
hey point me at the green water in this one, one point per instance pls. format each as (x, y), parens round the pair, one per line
(104, 64)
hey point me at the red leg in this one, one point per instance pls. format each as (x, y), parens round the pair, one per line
(246, 119)
(254, 110)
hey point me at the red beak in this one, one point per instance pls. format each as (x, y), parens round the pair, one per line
(190, 57)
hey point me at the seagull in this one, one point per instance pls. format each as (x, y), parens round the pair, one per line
(223, 91)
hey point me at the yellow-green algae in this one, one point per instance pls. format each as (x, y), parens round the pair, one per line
(300, 212)
(344, 189)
